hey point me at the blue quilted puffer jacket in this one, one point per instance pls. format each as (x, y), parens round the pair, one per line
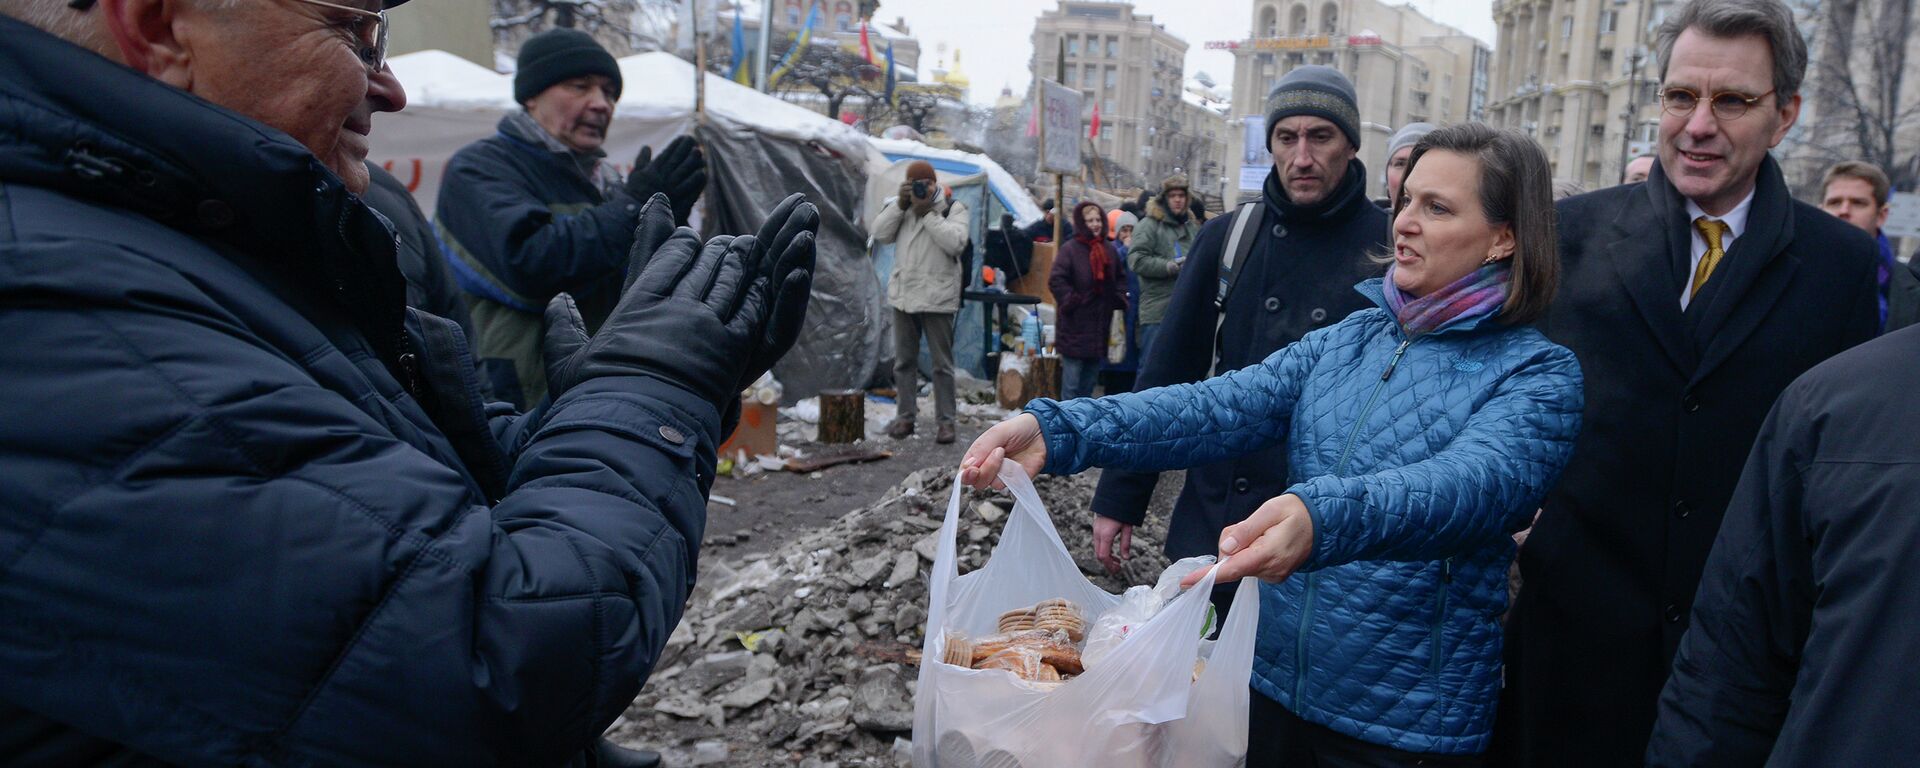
(1418, 458)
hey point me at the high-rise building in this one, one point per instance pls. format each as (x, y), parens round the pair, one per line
(1405, 67)
(1580, 77)
(1133, 69)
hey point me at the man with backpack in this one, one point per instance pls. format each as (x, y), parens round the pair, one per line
(1256, 279)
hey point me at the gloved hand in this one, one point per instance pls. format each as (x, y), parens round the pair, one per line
(922, 205)
(692, 315)
(906, 194)
(782, 258)
(680, 173)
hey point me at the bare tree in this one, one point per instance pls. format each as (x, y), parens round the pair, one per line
(623, 26)
(835, 74)
(1863, 105)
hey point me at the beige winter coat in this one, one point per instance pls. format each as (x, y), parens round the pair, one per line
(926, 256)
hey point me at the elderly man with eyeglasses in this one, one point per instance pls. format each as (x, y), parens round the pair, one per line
(252, 508)
(1692, 300)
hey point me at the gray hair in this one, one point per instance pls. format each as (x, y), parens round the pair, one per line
(55, 18)
(1770, 19)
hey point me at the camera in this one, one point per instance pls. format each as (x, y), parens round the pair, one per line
(920, 188)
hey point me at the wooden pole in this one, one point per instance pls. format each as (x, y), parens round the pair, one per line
(1060, 209)
(843, 415)
(699, 63)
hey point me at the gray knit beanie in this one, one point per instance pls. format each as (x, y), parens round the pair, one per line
(1408, 136)
(1319, 91)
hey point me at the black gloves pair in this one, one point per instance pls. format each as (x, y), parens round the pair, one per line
(680, 173)
(710, 318)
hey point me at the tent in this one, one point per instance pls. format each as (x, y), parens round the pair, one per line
(759, 149)
(987, 190)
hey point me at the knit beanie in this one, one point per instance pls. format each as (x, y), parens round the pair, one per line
(1122, 220)
(1176, 181)
(1408, 136)
(921, 169)
(559, 54)
(1319, 91)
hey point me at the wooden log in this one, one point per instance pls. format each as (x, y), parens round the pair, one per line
(843, 416)
(1043, 378)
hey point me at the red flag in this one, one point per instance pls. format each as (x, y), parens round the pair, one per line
(866, 49)
(1095, 133)
(1033, 121)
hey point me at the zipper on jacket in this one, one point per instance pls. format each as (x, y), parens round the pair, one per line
(1306, 602)
(1440, 614)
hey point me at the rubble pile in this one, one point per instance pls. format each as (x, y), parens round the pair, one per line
(800, 655)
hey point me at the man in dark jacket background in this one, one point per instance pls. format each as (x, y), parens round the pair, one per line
(535, 210)
(1803, 639)
(255, 510)
(1317, 231)
(1691, 300)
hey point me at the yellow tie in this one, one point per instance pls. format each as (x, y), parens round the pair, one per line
(1712, 229)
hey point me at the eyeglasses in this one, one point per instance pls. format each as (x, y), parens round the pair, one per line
(1726, 105)
(370, 35)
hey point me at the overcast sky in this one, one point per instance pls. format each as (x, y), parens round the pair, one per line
(994, 37)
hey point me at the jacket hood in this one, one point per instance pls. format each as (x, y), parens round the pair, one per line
(127, 141)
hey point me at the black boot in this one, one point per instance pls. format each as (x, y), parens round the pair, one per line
(606, 754)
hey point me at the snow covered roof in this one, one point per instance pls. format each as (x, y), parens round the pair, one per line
(658, 86)
(1005, 188)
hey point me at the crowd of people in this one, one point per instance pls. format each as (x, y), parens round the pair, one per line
(297, 474)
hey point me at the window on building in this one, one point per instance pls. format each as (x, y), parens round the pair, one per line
(1113, 76)
(1106, 107)
(793, 12)
(1269, 22)
(1609, 20)
(1106, 131)
(1071, 72)
(1566, 27)
(1329, 19)
(1297, 19)
(843, 16)
(1073, 45)
(1113, 46)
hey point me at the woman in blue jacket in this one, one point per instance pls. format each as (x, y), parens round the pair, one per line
(1422, 433)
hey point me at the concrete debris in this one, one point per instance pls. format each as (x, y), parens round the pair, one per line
(797, 657)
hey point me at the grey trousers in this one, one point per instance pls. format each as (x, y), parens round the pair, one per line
(937, 327)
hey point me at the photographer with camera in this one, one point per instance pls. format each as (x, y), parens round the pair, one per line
(929, 231)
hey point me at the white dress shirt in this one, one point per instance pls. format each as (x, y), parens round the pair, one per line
(1736, 221)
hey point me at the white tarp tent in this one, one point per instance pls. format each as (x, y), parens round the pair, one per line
(759, 149)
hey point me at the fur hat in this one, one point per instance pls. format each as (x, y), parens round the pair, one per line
(1176, 181)
(1319, 91)
(559, 54)
(921, 169)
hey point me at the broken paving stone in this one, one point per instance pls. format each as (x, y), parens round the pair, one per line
(905, 566)
(715, 670)
(869, 570)
(909, 618)
(978, 533)
(749, 694)
(880, 702)
(859, 604)
(927, 546)
(989, 511)
(709, 753)
(681, 707)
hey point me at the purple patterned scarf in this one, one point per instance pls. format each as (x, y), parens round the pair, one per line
(1480, 292)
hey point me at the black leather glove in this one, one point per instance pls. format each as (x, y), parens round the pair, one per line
(680, 173)
(782, 259)
(698, 316)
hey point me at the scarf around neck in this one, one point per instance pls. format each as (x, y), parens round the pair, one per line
(1099, 258)
(603, 176)
(1480, 293)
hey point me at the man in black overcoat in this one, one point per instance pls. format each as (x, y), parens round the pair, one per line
(1692, 300)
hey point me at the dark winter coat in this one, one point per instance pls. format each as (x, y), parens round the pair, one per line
(430, 283)
(1298, 276)
(1417, 458)
(1085, 306)
(1903, 295)
(1674, 400)
(1159, 241)
(519, 223)
(231, 534)
(1803, 639)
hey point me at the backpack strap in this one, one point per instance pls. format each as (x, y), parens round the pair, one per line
(1239, 243)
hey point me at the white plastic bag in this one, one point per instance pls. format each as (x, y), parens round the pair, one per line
(1139, 707)
(1138, 605)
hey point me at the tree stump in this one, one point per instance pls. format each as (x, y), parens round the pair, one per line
(1022, 379)
(843, 416)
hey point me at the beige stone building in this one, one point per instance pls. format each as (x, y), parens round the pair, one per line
(1406, 68)
(1579, 76)
(1134, 69)
(458, 27)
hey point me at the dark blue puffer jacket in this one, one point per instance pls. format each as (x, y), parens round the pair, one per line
(1417, 459)
(229, 534)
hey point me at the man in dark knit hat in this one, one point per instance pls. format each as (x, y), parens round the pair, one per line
(1161, 243)
(1310, 237)
(928, 230)
(535, 210)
